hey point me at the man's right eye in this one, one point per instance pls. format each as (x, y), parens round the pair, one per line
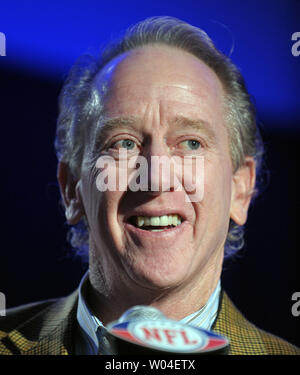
(128, 144)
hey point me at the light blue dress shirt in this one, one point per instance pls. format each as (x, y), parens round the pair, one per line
(91, 338)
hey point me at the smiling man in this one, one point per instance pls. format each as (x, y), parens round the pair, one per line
(162, 91)
(140, 265)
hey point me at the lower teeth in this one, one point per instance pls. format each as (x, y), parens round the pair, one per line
(159, 229)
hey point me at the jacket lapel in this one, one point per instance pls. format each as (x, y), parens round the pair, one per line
(244, 337)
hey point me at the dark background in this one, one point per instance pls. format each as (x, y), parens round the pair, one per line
(43, 41)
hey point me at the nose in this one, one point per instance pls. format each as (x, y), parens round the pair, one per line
(160, 167)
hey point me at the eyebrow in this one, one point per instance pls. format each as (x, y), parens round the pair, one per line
(106, 125)
(198, 125)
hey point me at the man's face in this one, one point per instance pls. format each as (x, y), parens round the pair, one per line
(159, 101)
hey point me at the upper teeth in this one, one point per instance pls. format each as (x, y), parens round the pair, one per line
(158, 220)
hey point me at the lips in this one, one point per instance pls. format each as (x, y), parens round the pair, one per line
(159, 222)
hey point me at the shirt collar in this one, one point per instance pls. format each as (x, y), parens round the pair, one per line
(88, 322)
(205, 317)
(93, 331)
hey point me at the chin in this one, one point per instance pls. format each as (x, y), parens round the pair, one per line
(159, 275)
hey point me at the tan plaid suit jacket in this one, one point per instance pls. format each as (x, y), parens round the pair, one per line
(49, 328)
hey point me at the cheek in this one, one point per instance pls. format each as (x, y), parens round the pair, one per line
(192, 176)
(93, 199)
(213, 212)
(217, 188)
(102, 215)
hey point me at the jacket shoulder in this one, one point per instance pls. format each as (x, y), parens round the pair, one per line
(43, 327)
(277, 346)
(15, 316)
(245, 338)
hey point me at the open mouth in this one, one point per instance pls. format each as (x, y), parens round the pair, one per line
(156, 223)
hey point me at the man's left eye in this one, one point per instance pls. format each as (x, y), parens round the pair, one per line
(191, 144)
(128, 144)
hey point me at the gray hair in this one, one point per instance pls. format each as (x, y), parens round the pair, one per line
(79, 103)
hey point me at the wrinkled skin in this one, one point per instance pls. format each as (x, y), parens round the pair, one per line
(174, 270)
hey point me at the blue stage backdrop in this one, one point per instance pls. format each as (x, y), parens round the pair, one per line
(46, 37)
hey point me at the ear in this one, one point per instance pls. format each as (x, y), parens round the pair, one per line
(243, 183)
(70, 192)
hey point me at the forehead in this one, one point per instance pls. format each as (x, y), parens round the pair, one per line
(174, 81)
